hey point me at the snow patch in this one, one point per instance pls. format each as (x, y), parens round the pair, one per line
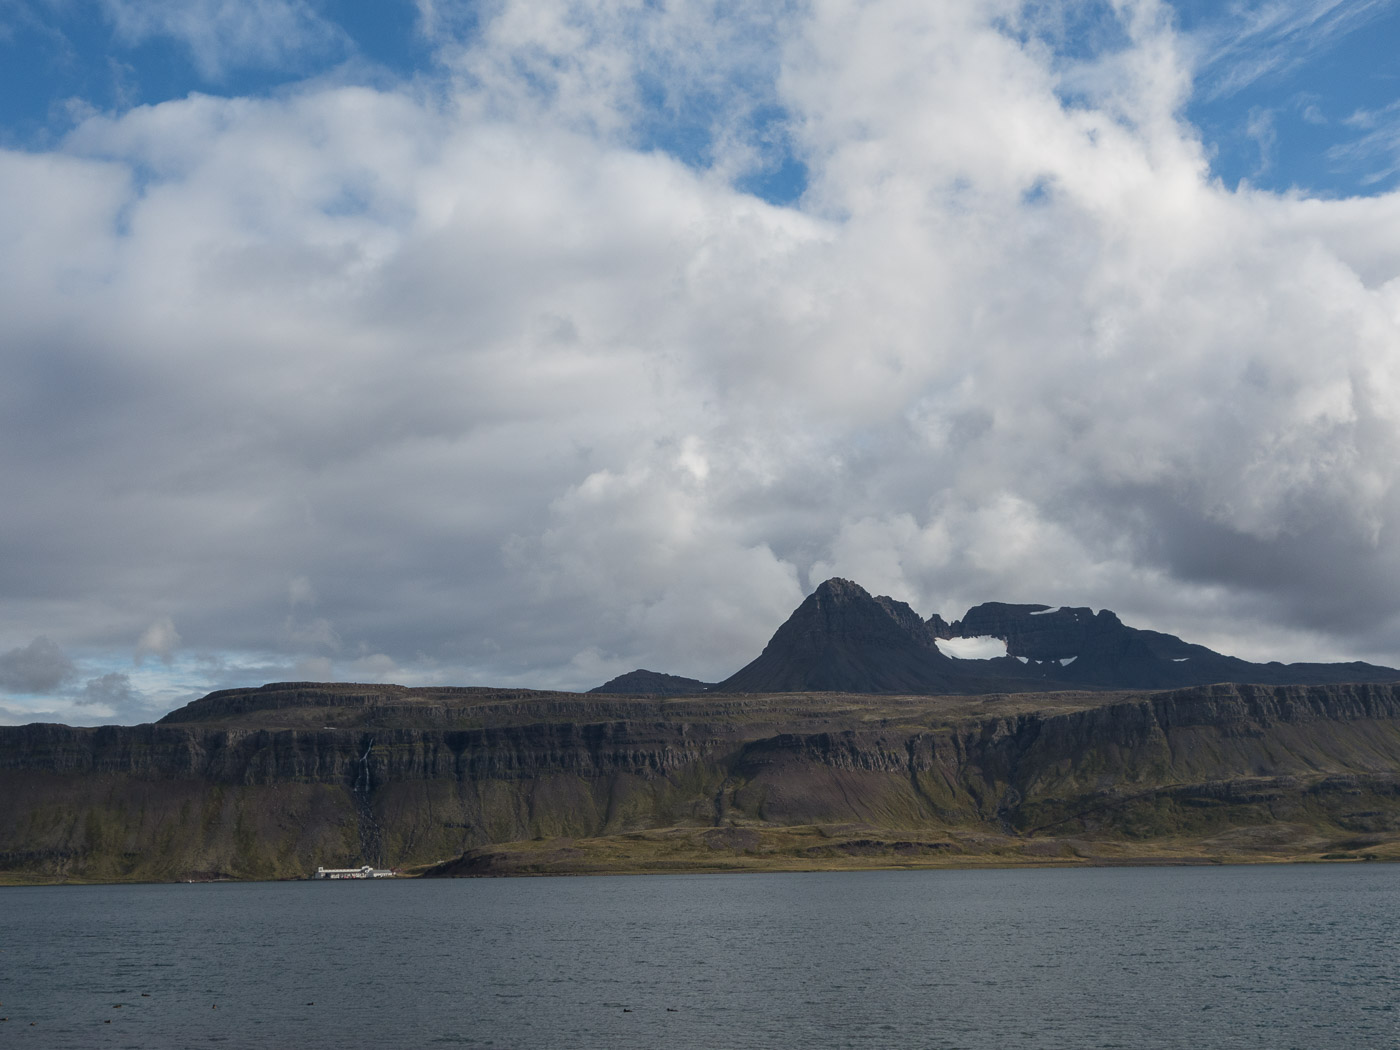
(1068, 660)
(1180, 659)
(1024, 659)
(983, 647)
(1043, 612)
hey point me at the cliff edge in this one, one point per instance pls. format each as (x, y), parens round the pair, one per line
(271, 782)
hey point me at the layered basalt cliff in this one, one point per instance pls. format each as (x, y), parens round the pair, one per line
(272, 782)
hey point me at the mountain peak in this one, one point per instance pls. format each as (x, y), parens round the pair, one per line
(843, 638)
(838, 589)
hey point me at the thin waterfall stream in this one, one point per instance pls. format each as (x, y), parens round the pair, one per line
(362, 789)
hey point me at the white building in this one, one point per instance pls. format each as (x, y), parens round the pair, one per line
(354, 873)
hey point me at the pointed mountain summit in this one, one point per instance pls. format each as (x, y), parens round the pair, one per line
(843, 639)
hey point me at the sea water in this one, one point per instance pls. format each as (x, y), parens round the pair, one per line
(1271, 957)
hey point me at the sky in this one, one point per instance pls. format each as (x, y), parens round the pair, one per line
(528, 342)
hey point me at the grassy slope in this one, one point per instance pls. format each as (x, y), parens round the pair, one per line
(117, 828)
(1191, 794)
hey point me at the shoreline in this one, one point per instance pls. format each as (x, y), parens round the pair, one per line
(816, 848)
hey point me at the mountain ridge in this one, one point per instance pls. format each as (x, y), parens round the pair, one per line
(652, 683)
(853, 740)
(842, 638)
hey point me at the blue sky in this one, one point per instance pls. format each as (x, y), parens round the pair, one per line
(1289, 96)
(1306, 103)
(533, 341)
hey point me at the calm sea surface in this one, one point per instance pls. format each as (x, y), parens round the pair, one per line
(1269, 957)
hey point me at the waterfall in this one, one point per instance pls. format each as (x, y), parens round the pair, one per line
(371, 836)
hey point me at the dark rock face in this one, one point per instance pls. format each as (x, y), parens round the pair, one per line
(842, 639)
(165, 801)
(270, 782)
(652, 683)
(306, 697)
(1076, 647)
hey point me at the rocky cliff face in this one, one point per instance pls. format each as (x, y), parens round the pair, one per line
(1076, 646)
(843, 638)
(212, 792)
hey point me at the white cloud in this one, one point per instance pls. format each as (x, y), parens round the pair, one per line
(1377, 151)
(1258, 39)
(227, 34)
(159, 639)
(699, 76)
(534, 403)
(1260, 127)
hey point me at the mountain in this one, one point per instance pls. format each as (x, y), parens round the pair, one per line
(272, 782)
(862, 736)
(842, 638)
(1078, 647)
(652, 683)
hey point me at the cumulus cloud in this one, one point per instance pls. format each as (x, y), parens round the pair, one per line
(533, 400)
(39, 667)
(699, 79)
